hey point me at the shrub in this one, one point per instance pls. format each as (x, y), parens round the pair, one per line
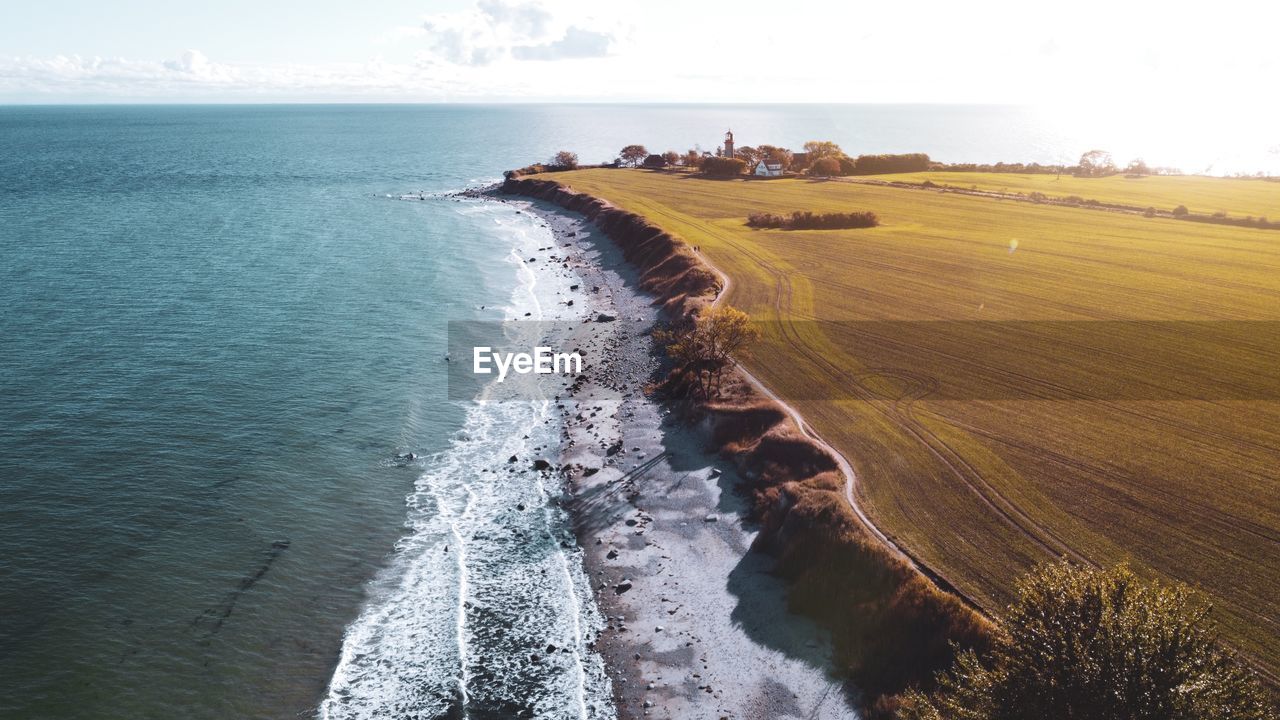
(723, 166)
(1001, 167)
(1086, 643)
(811, 221)
(882, 164)
(533, 169)
(1181, 211)
(825, 167)
(1149, 212)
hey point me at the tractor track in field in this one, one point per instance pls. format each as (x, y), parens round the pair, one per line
(897, 412)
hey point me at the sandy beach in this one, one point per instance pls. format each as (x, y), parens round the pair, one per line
(697, 624)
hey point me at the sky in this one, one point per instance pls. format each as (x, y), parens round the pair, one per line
(1196, 56)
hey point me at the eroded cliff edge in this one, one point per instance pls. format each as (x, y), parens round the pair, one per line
(892, 626)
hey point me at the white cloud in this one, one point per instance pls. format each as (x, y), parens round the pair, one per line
(493, 31)
(576, 43)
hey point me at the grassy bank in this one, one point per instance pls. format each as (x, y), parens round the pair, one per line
(985, 489)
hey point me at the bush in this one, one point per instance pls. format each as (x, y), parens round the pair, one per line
(723, 166)
(1086, 643)
(810, 221)
(1002, 167)
(825, 167)
(883, 164)
(1181, 211)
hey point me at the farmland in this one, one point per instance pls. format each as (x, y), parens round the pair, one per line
(981, 488)
(1201, 195)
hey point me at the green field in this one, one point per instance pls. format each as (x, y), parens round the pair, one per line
(1201, 195)
(983, 489)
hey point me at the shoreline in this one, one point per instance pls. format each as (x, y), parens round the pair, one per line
(893, 626)
(697, 622)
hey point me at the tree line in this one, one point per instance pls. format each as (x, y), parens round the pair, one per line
(824, 158)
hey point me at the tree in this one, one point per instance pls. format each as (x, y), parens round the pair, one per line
(565, 159)
(706, 345)
(633, 155)
(671, 156)
(775, 155)
(748, 154)
(693, 159)
(1104, 644)
(1096, 163)
(1137, 167)
(825, 167)
(819, 149)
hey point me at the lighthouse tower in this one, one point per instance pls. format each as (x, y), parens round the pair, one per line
(728, 144)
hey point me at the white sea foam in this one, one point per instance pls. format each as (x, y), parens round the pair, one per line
(479, 586)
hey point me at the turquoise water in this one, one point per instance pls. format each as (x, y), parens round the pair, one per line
(221, 325)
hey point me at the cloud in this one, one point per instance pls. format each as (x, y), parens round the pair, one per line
(492, 31)
(193, 75)
(195, 64)
(576, 43)
(527, 18)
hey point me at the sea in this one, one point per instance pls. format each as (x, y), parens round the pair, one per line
(232, 481)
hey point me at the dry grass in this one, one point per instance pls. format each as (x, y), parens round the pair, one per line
(983, 490)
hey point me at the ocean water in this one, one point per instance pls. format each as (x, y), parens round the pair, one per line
(219, 326)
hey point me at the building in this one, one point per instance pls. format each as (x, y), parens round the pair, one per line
(767, 169)
(655, 161)
(728, 144)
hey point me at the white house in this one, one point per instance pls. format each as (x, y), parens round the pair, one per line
(767, 169)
